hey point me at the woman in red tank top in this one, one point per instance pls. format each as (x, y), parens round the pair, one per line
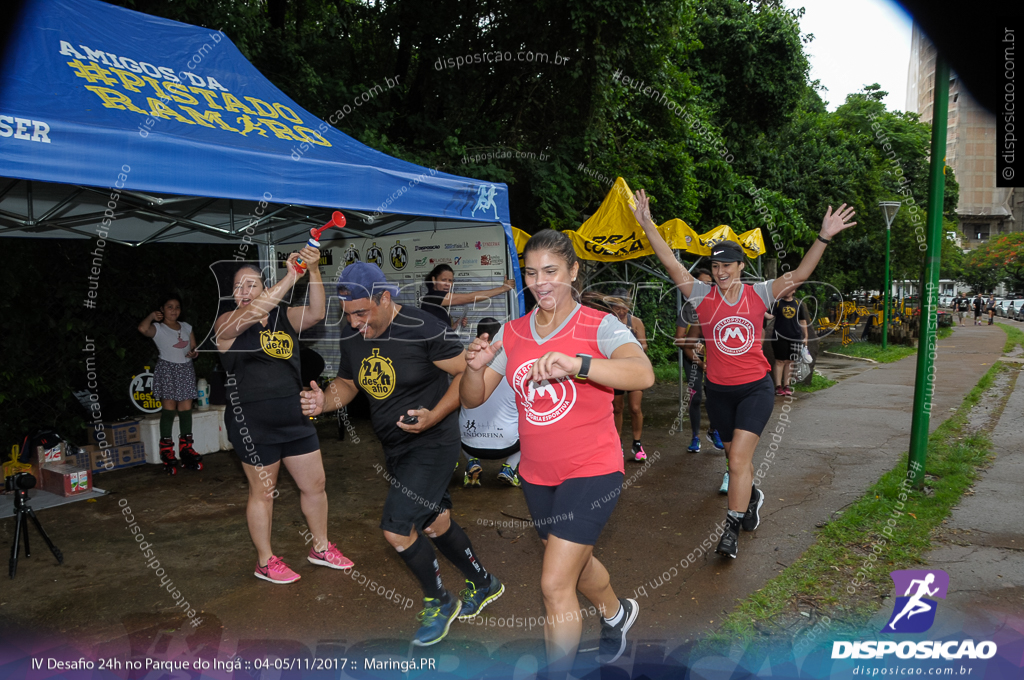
(564, 361)
(741, 394)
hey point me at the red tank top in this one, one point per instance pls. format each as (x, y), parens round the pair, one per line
(732, 335)
(566, 427)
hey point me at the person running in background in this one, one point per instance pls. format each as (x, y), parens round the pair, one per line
(990, 307)
(791, 336)
(440, 298)
(618, 304)
(402, 357)
(963, 307)
(739, 383)
(691, 340)
(491, 431)
(259, 346)
(174, 380)
(563, 360)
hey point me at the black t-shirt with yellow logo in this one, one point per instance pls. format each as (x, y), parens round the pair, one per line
(265, 359)
(397, 372)
(787, 319)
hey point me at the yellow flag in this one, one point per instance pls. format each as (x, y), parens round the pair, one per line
(520, 237)
(613, 234)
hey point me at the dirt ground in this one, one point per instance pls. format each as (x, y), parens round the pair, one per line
(105, 600)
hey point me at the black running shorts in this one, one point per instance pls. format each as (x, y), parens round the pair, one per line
(418, 490)
(263, 432)
(491, 454)
(787, 350)
(575, 510)
(741, 407)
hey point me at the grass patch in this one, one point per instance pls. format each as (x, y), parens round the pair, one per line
(1014, 337)
(818, 382)
(835, 564)
(869, 350)
(667, 372)
(944, 332)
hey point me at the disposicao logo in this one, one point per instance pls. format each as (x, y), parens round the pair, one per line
(914, 612)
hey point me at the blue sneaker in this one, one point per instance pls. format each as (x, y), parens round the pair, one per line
(474, 600)
(436, 618)
(716, 440)
(509, 475)
(725, 484)
(694, 446)
(472, 476)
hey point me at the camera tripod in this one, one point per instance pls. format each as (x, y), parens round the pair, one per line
(21, 514)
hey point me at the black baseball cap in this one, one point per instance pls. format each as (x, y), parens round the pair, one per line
(726, 251)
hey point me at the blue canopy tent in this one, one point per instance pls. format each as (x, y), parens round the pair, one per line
(140, 130)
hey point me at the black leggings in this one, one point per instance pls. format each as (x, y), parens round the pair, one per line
(695, 384)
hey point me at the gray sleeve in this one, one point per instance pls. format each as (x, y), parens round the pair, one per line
(764, 291)
(613, 334)
(687, 317)
(699, 291)
(499, 360)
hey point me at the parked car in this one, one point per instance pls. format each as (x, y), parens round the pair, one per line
(1019, 316)
(1003, 307)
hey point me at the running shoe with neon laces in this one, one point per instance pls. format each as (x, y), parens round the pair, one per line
(725, 484)
(472, 477)
(509, 475)
(435, 619)
(728, 545)
(331, 557)
(639, 454)
(475, 599)
(752, 518)
(276, 571)
(613, 638)
(694, 446)
(716, 440)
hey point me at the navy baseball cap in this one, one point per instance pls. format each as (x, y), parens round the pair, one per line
(361, 280)
(726, 251)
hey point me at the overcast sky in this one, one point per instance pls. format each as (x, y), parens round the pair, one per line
(856, 43)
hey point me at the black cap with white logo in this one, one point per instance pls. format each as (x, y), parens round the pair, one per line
(726, 251)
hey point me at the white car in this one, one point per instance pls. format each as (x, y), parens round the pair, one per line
(1003, 307)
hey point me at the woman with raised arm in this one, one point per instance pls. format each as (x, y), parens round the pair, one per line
(739, 383)
(440, 298)
(259, 345)
(564, 361)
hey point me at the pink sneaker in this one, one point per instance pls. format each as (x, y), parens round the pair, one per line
(331, 557)
(276, 571)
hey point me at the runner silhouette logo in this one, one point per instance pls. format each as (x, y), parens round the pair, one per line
(914, 611)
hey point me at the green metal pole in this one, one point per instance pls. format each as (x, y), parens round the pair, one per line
(924, 386)
(885, 308)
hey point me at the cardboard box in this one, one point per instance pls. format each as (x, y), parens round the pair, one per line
(79, 456)
(117, 457)
(65, 479)
(117, 434)
(103, 460)
(54, 454)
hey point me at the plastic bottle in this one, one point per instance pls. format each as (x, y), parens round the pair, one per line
(203, 400)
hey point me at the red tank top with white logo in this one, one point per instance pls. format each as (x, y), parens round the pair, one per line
(732, 335)
(566, 427)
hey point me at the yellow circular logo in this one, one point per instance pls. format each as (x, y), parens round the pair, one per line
(277, 344)
(377, 375)
(789, 312)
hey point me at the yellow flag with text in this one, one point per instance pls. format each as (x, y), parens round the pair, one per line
(612, 233)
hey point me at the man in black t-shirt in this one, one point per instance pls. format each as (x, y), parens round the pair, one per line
(979, 304)
(963, 307)
(400, 356)
(790, 338)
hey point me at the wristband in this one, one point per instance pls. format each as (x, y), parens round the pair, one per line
(824, 240)
(584, 366)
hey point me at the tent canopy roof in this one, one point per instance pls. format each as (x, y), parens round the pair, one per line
(175, 128)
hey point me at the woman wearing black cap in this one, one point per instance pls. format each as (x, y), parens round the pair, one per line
(739, 382)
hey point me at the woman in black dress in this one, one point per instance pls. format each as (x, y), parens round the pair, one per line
(259, 348)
